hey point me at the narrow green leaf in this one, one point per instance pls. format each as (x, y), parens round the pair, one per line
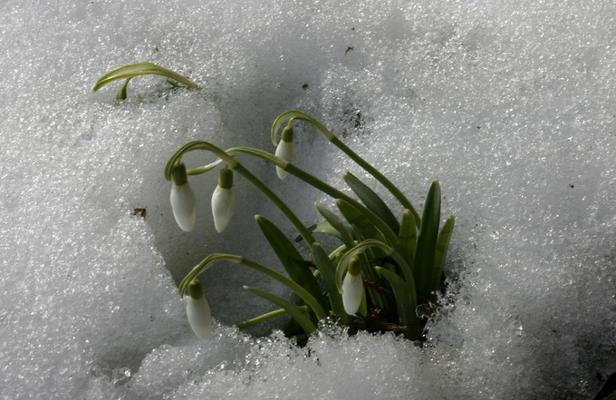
(290, 258)
(328, 273)
(294, 311)
(263, 317)
(426, 243)
(442, 244)
(372, 201)
(322, 227)
(366, 222)
(363, 305)
(326, 228)
(407, 237)
(358, 221)
(337, 224)
(406, 301)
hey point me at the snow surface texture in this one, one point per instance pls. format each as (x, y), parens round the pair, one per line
(511, 105)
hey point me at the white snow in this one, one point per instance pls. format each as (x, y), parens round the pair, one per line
(511, 105)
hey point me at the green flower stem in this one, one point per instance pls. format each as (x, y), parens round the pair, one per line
(144, 68)
(312, 181)
(235, 165)
(215, 257)
(299, 115)
(303, 320)
(204, 169)
(266, 317)
(121, 95)
(337, 251)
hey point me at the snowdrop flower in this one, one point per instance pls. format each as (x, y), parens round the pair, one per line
(222, 200)
(182, 199)
(352, 288)
(198, 311)
(284, 150)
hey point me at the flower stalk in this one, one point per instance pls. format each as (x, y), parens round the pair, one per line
(130, 71)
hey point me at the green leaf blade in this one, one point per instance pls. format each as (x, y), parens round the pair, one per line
(328, 272)
(294, 311)
(426, 242)
(366, 222)
(372, 200)
(289, 257)
(407, 237)
(336, 223)
(442, 245)
(406, 302)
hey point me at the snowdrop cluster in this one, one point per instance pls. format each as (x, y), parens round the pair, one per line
(383, 268)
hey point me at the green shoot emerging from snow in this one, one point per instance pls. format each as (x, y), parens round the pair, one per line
(128, 72)
(382, 268)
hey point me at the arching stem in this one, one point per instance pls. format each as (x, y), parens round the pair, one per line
(299, 115)
(237, 166)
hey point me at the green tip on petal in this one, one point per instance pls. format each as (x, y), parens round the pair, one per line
(287, 134)
(179, 174)
(354, 266)
(225, 178)
(194, 289)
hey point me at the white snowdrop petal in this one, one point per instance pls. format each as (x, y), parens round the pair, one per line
(183, 205)
(285, 151)
(222, 207)
(352, 291)
(199, 316)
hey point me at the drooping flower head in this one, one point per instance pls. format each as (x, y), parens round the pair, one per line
(352, 288)
(285, 149)
(182, 199)
(198, 310)
(223, 200)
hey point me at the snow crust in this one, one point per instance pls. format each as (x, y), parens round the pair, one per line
(511, 105)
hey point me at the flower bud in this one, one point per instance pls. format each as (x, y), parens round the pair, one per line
(223, 200)
(198, 311)
(285, 149)
(352, 288)
(182, 199)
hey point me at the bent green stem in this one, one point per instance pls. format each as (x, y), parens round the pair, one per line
(235, 165)
(306, 177)
(216, 257)
(299, 115)
(144, 68)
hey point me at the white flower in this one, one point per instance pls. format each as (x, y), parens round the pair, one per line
(285, 150)
(198, 311)
(352, 292)
(223, 200)
(183, 200)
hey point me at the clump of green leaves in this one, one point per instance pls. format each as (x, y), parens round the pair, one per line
(381, 270)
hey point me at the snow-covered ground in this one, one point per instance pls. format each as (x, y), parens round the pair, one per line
(511, 105)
